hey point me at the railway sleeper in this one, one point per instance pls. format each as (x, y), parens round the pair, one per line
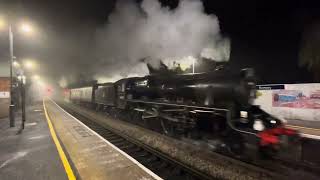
(121, 144)
(140, 154)
(128, 147)
(113, 138)
(133, 149)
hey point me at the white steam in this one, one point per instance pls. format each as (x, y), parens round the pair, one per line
(156, 32)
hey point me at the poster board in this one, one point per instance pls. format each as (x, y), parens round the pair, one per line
(290, 101)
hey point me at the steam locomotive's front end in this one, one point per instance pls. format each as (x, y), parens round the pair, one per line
(267, 133)
(273, 137)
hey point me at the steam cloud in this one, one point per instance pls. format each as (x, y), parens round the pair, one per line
(134, 32)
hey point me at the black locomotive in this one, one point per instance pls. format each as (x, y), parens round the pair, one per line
(213, 106)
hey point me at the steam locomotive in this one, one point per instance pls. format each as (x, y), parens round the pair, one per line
(214, 106)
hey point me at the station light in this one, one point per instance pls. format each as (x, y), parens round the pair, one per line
(26, 28)
(2, 23)
(16, 64)
(29, 64)
(35, 77)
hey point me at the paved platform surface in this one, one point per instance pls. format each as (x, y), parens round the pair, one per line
(92, 156)
(309, 129)
(31, 154)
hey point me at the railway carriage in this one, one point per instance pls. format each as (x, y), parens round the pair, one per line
(105, 95)
(83, 95)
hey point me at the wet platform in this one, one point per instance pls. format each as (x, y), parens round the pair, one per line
(31, 153)
(92, 156)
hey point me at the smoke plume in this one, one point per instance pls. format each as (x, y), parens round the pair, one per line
(149, 30)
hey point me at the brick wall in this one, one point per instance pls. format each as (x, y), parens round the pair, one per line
(4, 96)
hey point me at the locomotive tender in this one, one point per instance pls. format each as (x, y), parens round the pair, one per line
(212, 106)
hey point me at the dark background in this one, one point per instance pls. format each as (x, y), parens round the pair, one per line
(266, 35)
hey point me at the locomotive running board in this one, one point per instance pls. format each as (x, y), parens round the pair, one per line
(202, 111)
(148, 117)
(178, 105)
(212, 112)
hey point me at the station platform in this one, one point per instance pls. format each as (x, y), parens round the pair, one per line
(55, 145)
(91, 156)
(30, 153)
(308, 129)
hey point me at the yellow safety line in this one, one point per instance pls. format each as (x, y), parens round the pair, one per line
(62, 155)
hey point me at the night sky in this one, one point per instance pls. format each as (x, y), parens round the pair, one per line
(265, 35)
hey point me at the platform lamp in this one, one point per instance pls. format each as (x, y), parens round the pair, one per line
(25, 28)
(11, 107)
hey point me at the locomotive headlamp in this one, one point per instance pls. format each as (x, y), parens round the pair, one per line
(273, 121)
(258, 125)
(243, 114)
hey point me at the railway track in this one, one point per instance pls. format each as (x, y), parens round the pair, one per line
(161, 164)
(169, 168)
